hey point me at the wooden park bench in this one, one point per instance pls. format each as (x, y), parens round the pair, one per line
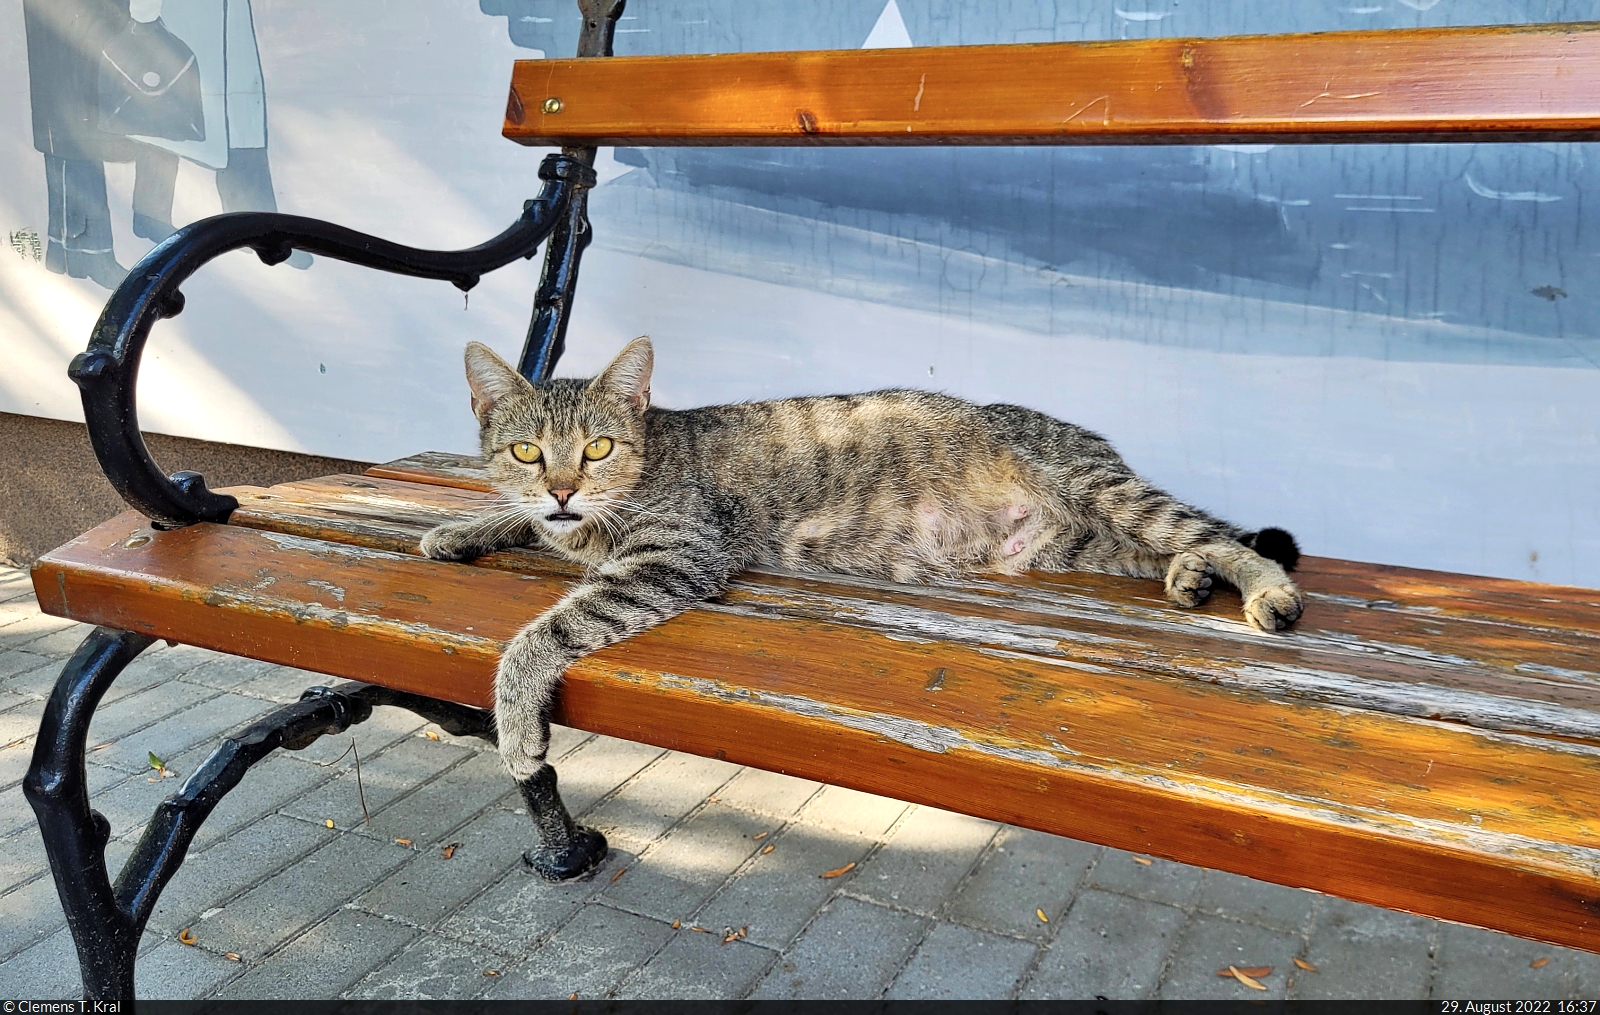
(1423, 741)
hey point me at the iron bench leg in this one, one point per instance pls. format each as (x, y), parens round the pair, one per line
(108, 919)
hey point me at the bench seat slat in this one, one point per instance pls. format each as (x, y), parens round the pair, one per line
(1429, 817)
(1495, 83)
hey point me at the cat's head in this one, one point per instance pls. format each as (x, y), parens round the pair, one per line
(569, 451)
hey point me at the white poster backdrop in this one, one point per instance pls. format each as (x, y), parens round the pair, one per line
(384, 115)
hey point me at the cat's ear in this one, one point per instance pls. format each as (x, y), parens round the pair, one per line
(628, 376)
(491, 379)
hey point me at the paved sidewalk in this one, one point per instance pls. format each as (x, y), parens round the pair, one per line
(290, 893)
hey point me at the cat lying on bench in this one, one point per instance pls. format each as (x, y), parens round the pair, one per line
(666, 506)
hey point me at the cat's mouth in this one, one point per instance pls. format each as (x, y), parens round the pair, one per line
(563, 516)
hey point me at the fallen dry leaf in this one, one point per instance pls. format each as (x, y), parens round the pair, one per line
(758, 837)
(402, 842)
(1040, 914)
(676, 924)
(770, 848)
(101, 747)
(620, 871)
(450, 850)
(847, 868)
(1303, 964)
(186, 937)
(700, 929)
(1141, 860)
(1540, 962)
(729, 935)
(1245, 979)
(491, 972)
(232, 956)
(431, 735)
(328, 822)
(574, 996)
(1246, 970)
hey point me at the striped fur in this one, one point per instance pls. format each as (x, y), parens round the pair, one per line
(909, 486)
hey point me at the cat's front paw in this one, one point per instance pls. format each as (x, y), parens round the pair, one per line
(452, 541)
(1274, 607)
(1189, 579)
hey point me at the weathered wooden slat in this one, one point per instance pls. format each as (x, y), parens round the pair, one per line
(1412, 814)
(1497, 83)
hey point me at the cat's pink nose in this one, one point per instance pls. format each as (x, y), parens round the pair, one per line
(561, 496)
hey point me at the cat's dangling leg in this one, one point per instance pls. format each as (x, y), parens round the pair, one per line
(654, 574)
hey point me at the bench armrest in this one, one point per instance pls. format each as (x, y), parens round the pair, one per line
(107, 372)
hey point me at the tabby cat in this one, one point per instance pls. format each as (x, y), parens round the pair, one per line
(665, 506)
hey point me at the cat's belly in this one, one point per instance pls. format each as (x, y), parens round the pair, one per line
(920, 542)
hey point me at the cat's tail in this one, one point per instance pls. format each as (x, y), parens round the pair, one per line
(1275, 544)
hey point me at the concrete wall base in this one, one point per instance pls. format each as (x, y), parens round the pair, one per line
(51, 488)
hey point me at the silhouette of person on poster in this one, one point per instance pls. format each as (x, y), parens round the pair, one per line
(147, 82)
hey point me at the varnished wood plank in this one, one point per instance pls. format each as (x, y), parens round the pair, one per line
(1374, 637)
(1436, 84)
(1412, 814)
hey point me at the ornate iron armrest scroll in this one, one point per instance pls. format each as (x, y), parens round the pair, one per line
(107, 372)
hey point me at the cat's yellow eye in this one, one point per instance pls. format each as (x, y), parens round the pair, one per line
(525, 452)
(597, 449)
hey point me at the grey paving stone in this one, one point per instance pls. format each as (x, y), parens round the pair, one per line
(657, 798)
(205, 723)
(27, 631)
(45, 971)
(1482, 963)
(211, 877)
(22, 858)
(57, 644)
(1242, 898)
(850, 811)
(385, 778)
(1108, 946)
(28, 914)
(431, 968)
(436, 808)
(282, 684)
(598, 767)
(15, 814)
(430, 887)
(779, 891)
(17, 725)
(263, 918)
(695, 966)
(929, 854)
(1024, 872)
(516, 911)
(956, 963)
(1175, 884)
(682, 870)
(143, 708)
(1583, 976)
(1392, 951)
(587, 957)
(175, 972)
(780, 796)
(226, 673)
(1210, 943)
(14, 761)
(851, 950)
(41, 671)
(323, 962)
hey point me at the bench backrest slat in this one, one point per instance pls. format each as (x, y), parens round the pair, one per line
(1502, 83)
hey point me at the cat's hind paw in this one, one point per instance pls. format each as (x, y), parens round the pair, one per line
(1274, 607)
(453, 541)
(1189, 579)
